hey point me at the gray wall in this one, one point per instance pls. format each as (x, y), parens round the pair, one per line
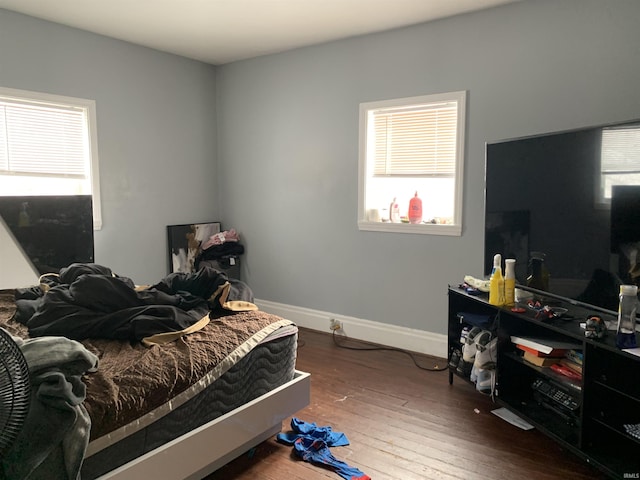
(288, 144)
(156, 132)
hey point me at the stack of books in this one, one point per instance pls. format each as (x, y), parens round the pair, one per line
(563, 357)
(573, 360)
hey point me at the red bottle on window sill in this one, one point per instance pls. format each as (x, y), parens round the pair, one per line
(415, 209)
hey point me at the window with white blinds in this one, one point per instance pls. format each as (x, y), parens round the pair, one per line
(48, 146)
(42, 140)
(417, 140)
(621, 150)
(412, 147)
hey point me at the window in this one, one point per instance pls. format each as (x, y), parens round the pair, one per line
(48, 146)
(408, 146)
(619, 159)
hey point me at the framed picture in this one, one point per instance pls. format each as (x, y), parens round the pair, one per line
(184, 244)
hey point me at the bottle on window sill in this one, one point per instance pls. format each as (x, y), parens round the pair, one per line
(394, 211)
(415, 209)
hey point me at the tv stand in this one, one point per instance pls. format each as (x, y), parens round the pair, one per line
(606, 398)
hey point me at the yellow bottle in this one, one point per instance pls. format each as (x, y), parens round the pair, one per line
(496, 283)
(510, 281)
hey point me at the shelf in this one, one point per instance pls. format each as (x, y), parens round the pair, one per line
(572, 385)
(568, 325)
(612, 409)
(617, 392)
(515, 377)
(618, 372)
(620, 431)
(608, 395)
(612, 450)
(547, 421)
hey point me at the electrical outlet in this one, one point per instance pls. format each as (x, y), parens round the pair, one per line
(334, 324)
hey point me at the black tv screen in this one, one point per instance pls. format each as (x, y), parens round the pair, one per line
(53, 231)
(625, 217)
(555, 193)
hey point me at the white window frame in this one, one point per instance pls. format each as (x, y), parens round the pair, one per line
(89, 108)
(451, 229)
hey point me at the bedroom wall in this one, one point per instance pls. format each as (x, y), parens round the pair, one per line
(156, 132)
(288, 156)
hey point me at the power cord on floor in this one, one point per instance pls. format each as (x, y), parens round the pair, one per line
(390, 349)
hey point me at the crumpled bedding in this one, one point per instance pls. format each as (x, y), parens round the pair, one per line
(90, 301)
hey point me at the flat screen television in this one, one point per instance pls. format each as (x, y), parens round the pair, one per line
(52, 231)
(574, 196)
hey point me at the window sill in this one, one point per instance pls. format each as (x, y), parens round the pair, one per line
(421, 229)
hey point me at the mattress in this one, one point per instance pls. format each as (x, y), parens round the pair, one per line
(269, 365)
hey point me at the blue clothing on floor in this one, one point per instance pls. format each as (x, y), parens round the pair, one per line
(311, 443)
(301, 428)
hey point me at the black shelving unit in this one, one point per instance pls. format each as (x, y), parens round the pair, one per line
(608, 393)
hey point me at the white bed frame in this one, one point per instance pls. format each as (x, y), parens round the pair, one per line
(200, 452)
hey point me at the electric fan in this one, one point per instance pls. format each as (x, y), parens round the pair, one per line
(14, 391)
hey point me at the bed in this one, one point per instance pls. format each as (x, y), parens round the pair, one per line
(179, 403)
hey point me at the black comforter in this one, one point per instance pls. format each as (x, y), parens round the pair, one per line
(89, 301)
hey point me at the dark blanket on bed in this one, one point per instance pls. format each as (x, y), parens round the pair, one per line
(90, 301)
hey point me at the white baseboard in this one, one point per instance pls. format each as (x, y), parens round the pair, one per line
(410, 339)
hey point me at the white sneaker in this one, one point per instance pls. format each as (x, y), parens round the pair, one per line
(480, 342)
(486, 352)
(485, 363)
(469, 348)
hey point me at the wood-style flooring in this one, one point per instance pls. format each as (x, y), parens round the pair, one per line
(404, 423)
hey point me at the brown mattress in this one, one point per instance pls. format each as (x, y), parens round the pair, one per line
(269, 365)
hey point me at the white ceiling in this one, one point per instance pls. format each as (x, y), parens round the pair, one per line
(223, 31)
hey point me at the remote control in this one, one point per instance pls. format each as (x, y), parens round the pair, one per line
(556, 394)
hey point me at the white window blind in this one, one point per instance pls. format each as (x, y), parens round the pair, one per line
(420, 140)
(620, 150)
(43, 140)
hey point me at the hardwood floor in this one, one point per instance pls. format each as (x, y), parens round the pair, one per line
(404, 423)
